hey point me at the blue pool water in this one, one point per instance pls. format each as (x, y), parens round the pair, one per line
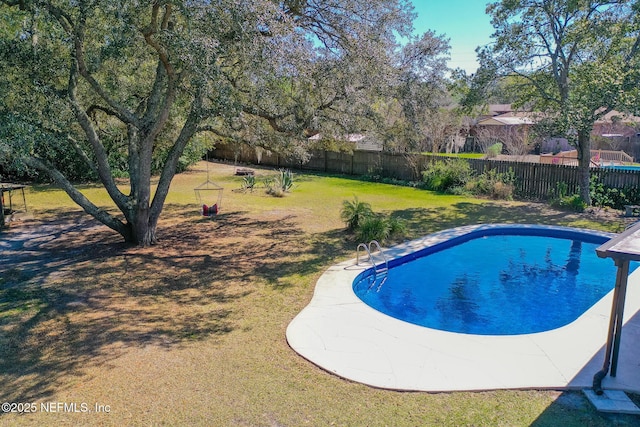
(624, 168)
(495, 283)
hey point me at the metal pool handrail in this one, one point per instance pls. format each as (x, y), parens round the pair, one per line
(382, 272)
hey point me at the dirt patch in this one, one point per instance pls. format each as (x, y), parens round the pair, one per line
(39, 248)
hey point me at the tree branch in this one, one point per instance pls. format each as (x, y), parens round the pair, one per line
(78, 35)
(169, 168)
(101, 215)
(83, 155)
(157, 106)
(103, 169)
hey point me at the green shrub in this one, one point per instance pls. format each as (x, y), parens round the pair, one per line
(502, 191)
(603, 196)
(460, 191)
(248, 182)
(397, 227)
(369, 226)
(494, 150)
(354, 212)
(446, 176)
(380, 228)
(494, 184)
(286, 180)
(573, 203)
(561, 190)
(279, 185)
(272, 187)
(561, 199)
(373, 228)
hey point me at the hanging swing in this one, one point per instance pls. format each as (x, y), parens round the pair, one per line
(205, 193)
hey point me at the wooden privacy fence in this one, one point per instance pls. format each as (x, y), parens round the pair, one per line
(357, 163)
(540, 181)
(533, 180)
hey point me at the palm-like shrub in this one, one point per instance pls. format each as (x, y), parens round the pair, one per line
(373, 228)
(368, 225)
(397, 227)
(279, 185)
(354, 212)
(286, 180)
(379, 227)
(248, 182)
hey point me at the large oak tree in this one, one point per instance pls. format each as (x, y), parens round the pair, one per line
(146, 77)
(572, 60)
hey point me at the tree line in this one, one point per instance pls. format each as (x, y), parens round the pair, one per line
(106, 89)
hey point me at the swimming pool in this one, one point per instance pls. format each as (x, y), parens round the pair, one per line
(340, 333)
(505, 281)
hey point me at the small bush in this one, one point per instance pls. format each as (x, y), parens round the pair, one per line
(446, 176)
(572, 203)
(494, 150)
(248, 182)
(600, 195)
(279, 185)
(460, 191)
(561, 199)
(367, 225)
(373, 228)
(273, 187)
(380, 228)
(494, 184)
(354, 212)
(286, 180)
(502, 191)
(561, 190)
(397, 227)
(603, 196)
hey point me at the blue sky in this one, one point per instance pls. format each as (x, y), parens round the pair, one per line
(464, 22)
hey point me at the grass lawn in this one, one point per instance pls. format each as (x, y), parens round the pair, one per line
(192, 331)
(460, 155)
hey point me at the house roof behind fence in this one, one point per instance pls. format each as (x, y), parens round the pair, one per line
(507, 119)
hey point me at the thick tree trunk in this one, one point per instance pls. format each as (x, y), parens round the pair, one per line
(143, 229)
(584, 165)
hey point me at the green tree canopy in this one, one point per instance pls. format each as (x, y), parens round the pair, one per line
(572, 60)
(86, 78)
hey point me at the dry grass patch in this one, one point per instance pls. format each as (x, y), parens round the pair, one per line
(192, 331)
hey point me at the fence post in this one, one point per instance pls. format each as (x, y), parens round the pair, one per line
(351, 166)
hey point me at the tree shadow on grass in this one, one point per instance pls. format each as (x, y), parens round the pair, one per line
(315, 253)
(73, 296)
(571, 408)
(32, 248)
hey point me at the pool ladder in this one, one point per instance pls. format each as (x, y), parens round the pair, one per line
(379, 271)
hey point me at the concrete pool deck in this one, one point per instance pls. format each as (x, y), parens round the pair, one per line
(341, 334)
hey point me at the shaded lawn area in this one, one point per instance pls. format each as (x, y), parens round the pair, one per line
(192, 330)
